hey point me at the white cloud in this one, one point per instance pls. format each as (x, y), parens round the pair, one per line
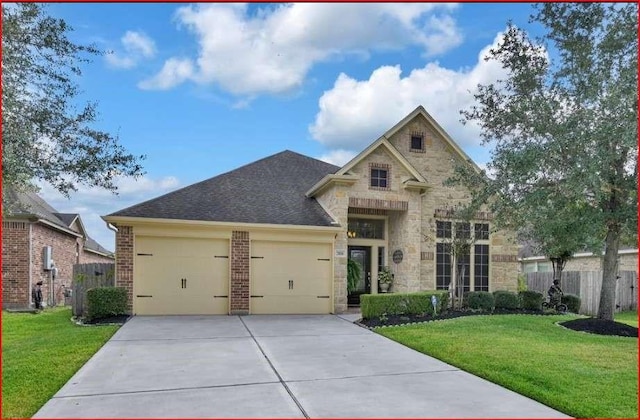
(354, 112)
(174, 72)
(136, 46)
(272, 50)
(337, 157)
(91, 203)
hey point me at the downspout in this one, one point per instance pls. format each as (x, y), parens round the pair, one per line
(115, 230)
(111, 227)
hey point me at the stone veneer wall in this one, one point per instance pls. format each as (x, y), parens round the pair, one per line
(335, 201)
(240, 280)
(436, 164)
(124, 262)
(404, 226)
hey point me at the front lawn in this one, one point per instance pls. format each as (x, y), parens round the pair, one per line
(627, 317)
(580, 374)
(40, 352)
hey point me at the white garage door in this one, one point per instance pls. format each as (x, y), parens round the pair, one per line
(181, 276)
(291, 278)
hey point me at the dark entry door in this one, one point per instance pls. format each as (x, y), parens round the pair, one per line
(361, 255)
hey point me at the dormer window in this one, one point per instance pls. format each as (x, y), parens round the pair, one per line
(417, 142)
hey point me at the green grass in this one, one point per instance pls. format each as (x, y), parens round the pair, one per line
(628, 317)
(580, 374)
(40, 352)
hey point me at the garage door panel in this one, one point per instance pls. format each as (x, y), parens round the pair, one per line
(181, 276)
(291, 277)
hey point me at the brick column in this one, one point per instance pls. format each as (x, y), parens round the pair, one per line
(124, 262)
(239, 273)
(16, 265)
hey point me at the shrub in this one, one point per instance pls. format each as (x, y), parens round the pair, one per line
(480, 300)
(531, 300)
(572, 302)
(506, 300)
(103, 302)
(373, 306)
(522, 283)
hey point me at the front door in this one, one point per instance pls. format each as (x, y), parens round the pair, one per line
(362, 256)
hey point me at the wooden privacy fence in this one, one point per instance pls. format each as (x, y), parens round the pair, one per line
(587, 285)
(88, 276)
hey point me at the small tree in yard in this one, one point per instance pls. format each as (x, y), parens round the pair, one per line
(565, 134)
(44, 136)
(459, 243)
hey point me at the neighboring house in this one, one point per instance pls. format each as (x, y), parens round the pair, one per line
(274, 236)
(582, 261)
(32, 230)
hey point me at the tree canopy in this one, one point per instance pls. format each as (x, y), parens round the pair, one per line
(563, 124)
(47, 133)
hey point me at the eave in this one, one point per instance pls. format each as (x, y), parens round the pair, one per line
(332, 179)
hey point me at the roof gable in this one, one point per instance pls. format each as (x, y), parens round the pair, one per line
(29, 205)
(382, 142)
(420, 111)
(270, 191)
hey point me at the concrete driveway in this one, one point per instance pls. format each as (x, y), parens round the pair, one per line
(273, 366)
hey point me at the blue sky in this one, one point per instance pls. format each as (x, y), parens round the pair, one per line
(202, 89)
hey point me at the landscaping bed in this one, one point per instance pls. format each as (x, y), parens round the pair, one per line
(109, 320)
(588, 325)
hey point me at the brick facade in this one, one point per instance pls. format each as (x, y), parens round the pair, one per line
(64, 249)
(240, 280)
(124, 262)
(23, 242)
(15, 264)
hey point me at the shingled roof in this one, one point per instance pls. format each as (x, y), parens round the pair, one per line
(29, 205)
(270, 190)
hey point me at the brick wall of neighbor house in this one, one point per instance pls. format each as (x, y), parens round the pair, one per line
(124, 262)
(91, 257)
(436, 164)
(63, 251)
(16, 291)
(627, 261)
(239, 293)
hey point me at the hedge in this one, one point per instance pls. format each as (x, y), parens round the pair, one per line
(480, 300)
(531, 300)
(372, 306)
(103, 302)
(506, 300)
(572, 302)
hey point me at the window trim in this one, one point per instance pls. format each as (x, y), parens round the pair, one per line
(417, 134)
(380, 166)
(449, 226)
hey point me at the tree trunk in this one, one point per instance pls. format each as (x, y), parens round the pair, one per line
(609, 274)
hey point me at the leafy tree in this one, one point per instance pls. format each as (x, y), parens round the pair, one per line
(45, 135)
(565, 132)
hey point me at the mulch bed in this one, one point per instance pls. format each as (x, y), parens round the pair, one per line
(119, 320)
(601, 326)
(589, 325)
